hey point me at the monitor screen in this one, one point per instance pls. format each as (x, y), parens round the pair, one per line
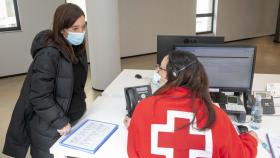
(229, 68)
(165, 43)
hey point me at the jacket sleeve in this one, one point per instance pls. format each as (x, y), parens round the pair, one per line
(243, 145)
(131, 144)
(133, 134)
(42, 88)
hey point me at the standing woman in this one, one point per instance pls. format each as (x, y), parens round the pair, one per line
(52, 96)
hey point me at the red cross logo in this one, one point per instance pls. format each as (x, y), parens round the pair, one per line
(171, 143)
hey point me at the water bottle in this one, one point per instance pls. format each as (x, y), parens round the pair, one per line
(256, 113)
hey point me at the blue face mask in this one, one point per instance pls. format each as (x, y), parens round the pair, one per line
(157, 80)
(75, 38)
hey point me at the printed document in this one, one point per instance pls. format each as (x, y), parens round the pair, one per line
(89, 136)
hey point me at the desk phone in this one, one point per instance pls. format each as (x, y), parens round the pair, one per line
(230, 104)
(234, 105)
(268, 106)
(133, 95)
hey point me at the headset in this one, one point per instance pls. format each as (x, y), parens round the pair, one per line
(174, 71)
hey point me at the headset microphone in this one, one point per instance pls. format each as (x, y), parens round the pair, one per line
(176, 72)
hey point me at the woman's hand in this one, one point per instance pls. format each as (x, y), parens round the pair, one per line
(252, 133)
(126, 121)
(65, 130)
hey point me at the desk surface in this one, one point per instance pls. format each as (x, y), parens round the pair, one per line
(106, 109)
(126, 79)
(268, 125)
(111, 108)
(260, 81)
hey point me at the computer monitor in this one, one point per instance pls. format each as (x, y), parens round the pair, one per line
(165, 43)
(229, 68)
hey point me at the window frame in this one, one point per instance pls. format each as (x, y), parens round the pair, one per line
(211, 15)
(18, 27)
(81, 8)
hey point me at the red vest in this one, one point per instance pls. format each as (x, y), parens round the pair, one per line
(159, 129)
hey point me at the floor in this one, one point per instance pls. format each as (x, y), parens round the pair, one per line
(267, 61)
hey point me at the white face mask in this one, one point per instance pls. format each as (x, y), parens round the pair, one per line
(158, 81)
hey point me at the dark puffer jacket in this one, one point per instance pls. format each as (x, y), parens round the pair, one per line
(44, 100)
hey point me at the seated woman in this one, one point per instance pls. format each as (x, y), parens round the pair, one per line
(180, 120)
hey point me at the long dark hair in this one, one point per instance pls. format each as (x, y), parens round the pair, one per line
(65, 16)
(184, 70)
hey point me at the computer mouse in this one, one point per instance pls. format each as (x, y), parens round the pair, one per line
(138, 76)
(242, 129)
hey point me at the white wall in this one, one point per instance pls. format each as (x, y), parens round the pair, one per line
(15, 46)
(239, 19)
(142, 20)
(104, 41)
(139, 23)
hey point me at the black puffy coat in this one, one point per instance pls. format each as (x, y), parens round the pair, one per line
(44, 100)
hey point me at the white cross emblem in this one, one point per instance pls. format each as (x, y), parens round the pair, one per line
(169, 127)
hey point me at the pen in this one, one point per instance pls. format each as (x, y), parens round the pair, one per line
(265, 146)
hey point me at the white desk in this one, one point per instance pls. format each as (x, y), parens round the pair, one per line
(106, 109)
(111, 108)
(260, 81)
(268, 125)
(127, 79)
(115, 146)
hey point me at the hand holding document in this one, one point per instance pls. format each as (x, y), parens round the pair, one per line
(89, 136)
(65, 130)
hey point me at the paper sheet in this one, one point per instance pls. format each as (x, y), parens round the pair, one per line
(274, 143)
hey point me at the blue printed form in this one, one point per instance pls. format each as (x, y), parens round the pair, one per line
(89, 136)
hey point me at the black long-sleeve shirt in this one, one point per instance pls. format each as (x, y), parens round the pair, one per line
(78, 104)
